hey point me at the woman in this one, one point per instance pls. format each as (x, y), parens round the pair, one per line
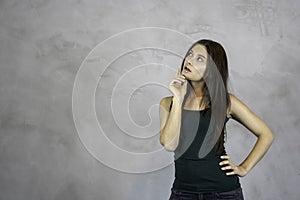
(188, 115)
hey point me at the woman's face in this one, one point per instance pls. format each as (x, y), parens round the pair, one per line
(195, 63)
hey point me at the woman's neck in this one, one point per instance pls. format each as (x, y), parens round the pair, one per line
(198, 87)
(195, 96)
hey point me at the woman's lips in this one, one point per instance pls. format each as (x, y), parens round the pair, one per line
(187, 69)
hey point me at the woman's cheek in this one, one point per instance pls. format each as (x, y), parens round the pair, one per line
(200, 71)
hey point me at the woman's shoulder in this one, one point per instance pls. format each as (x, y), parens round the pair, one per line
(166, 102)
(232, 99)
(234, 103)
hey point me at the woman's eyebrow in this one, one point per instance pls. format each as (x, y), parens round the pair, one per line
(201, 56)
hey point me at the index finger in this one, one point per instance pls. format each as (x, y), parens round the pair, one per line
(178, 71)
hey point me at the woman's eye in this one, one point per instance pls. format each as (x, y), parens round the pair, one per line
(190, 54)
(199, 58)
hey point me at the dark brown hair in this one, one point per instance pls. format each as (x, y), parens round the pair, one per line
(216, 57)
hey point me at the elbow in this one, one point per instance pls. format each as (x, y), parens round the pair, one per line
(269, 137)
(167, 146)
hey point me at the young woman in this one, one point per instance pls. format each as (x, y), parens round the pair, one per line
(188, 123)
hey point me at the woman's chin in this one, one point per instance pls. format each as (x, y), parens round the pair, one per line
(186, 76)
(186, 73)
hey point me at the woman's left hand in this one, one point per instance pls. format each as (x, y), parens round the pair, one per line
(238, 170)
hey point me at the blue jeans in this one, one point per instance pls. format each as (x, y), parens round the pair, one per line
(236, 194)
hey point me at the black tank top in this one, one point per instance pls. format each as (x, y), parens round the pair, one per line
(200, 175)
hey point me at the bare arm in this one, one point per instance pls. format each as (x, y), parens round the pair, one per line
(241, 113)
(170, 123)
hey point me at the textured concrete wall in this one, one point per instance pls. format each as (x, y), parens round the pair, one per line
(43, 43)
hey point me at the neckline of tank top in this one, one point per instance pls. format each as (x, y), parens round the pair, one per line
(197, 110)
(202, 111)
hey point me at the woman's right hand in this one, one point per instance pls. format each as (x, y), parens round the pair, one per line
(178, 86)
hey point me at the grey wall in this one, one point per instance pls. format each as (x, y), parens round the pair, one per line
(44, 43)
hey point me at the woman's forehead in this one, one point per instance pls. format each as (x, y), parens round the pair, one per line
(199, 48)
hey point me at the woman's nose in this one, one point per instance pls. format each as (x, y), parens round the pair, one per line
(189, 62)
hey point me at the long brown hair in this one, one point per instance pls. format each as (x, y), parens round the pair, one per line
(216, 57)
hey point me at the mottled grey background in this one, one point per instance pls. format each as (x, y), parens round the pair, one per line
(42, 45)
